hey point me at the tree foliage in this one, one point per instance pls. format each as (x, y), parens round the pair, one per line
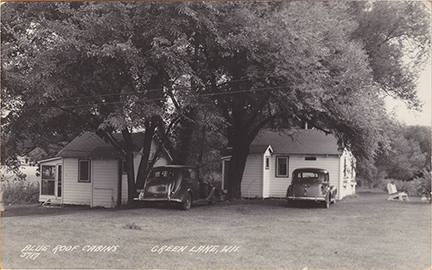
(190, 68)
(396, 37)
(105, 67)
(406, 158)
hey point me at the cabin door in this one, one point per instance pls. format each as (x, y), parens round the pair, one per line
(52, 180)
(59, 181)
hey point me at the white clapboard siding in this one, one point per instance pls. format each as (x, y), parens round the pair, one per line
(74, 192)
(266, 174)
(347, 185)
(252, 183)
(105, 179)
(279, 185)
(104, 197)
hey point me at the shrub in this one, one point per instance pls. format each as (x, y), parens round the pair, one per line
(418, 187)
(424, 184)
(17, 192)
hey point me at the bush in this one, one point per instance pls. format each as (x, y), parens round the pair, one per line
(18, 192)
(424, 184)
(419, 187)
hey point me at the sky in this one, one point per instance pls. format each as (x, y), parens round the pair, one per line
(409, 117)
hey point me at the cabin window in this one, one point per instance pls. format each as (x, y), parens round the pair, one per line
(310, 158)
(48, 180)
(282, 166)
(267, 163)
(345, 168)
(84, 171)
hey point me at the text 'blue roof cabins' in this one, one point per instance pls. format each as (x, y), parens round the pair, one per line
(274, 155)
(89, 171)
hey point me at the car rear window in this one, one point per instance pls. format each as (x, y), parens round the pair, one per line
(164, 174)
(309, 176)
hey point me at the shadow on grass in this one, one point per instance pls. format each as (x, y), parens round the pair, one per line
(237, 206)
(38, 209)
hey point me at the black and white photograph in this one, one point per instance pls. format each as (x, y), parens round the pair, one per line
(216, 135)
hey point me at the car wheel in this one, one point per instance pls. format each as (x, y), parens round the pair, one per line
(186, 202)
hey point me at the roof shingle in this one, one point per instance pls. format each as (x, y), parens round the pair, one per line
(302, 141)
(90, 145)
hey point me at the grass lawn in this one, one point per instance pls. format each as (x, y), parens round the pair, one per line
(362, 232)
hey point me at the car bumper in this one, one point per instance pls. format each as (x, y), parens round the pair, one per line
(160, 199)
(315, 199)
(157, 200)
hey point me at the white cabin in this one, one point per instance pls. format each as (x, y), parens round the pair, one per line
(273, 156)
(88, 171)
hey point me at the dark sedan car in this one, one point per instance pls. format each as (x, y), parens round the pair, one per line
(311, 184)
(179, 184)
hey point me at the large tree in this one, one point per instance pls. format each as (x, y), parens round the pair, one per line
(106, 67)
(271, 64)
(254, 64)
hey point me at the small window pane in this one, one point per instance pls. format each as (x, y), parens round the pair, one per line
(282, 166)
(84, 171)
(47, 187)
(48, 172)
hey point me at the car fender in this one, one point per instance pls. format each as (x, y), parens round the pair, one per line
(182, 193)
(289, 190)
(333, 191)
(212, 192)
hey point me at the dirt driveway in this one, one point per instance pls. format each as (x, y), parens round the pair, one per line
(365, 232)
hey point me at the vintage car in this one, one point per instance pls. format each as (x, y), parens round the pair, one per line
(179, 184)
(311, 184)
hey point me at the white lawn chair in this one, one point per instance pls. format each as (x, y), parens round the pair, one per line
(394, 194)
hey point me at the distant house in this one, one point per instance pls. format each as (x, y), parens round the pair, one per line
(89, 171)
(27, 166)
(273, 156)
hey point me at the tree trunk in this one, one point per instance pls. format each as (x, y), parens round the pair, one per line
(144, 163)
(240, 139)
(240, 145)
(128, 147)
(130, 177)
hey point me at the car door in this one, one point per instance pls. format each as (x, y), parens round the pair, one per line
(195, 185)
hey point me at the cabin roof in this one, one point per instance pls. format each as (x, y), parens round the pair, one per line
(302, 141)
(90, 145)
